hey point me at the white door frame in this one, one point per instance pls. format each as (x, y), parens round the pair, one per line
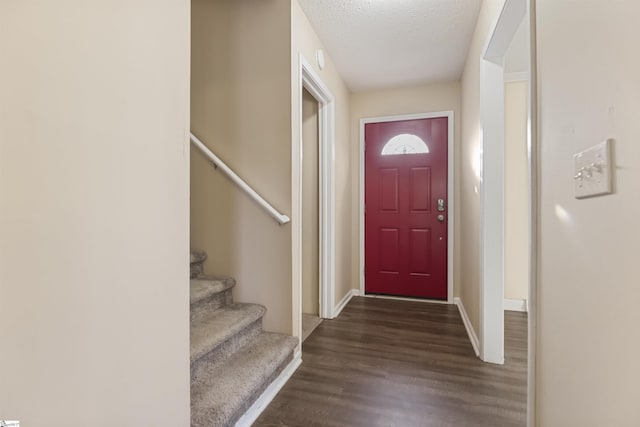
(309, 80)
(492, 181)
(534, 209)
(450, 190)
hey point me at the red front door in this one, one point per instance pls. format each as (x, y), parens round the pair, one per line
(406, 208)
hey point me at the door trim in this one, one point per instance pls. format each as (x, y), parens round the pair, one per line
(450, 189)
(491, 187)
(309, 80)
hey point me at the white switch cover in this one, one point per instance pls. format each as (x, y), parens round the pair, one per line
(592, 171)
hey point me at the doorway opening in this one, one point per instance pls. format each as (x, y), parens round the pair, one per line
(508, 221)
(401, 135)
(322, 102)
(310, 215)
(492, 182)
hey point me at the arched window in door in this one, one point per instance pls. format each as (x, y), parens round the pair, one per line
(405, 143)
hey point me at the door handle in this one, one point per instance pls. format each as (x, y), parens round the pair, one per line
(441, 218)
(441, 205)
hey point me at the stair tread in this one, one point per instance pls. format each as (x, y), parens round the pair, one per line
(197, 255)
(214, 329)
(227, 390)
(205, 287)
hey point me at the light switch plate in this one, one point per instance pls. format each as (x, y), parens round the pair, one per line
(592, 171)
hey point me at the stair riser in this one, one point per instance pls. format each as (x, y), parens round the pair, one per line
(220, 354)
(197, 269)
(222, 396)
(204, 307)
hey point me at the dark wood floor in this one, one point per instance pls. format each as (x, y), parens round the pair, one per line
(401, 363)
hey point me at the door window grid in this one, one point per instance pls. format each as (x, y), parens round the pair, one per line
(405, 143)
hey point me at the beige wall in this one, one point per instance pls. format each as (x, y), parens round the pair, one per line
(589, 294)
(305, 41)
(240, 91)
(94, 221)
(244, 59)
(469, 164)
(516, 195)
(310, 248)
(406, 100)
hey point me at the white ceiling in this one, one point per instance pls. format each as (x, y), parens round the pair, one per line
(386, 43)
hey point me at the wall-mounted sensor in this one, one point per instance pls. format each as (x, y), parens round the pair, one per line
(320, 59)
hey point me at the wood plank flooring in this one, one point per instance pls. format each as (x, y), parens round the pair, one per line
(402, 363)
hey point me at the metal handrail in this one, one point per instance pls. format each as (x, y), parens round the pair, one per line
(218, 163)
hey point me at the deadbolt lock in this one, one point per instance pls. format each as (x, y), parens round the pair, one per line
(440, 205)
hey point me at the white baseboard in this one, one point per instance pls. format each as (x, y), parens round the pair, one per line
(475, 343)
(516, 305)
(344, 301)
(267, 396)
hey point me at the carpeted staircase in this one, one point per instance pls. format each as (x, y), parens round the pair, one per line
(232, 359)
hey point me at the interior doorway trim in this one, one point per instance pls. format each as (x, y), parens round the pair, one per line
(491, 187)
(308, 79)
(450, 190)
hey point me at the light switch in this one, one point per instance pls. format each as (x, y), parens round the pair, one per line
(592, 171)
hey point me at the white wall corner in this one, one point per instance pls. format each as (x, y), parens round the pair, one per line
(516, 305)
(344, 301)
(475, 342)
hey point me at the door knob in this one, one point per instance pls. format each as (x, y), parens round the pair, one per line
(441, 218)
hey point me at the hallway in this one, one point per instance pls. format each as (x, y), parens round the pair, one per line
(401, 363)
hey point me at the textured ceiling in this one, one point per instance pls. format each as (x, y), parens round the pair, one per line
(386, 43)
